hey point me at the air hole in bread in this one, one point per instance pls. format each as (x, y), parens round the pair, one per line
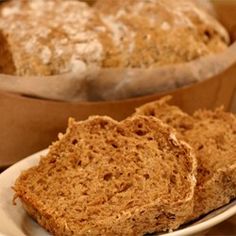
(114, 145)
(207, 34)
(45, 188)
(103, 124)
(74, 141)
(60, 193)
(141, 132)
(200, 147)
(52, 161)
(107, 176)
(175, 171)
(146, 176)
(140, 126)
(90, 156)
(151, 112)
(173, 179)
(83, 220)
(142, 212)
(121, 131)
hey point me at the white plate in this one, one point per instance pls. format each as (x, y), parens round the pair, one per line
(15, 222)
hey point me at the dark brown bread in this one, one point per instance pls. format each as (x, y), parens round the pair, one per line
(212, 134)
(105, 177)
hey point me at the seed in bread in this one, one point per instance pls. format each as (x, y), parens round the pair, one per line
(212, 134)
(105, 177)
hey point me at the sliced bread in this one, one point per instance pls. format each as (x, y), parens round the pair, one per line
(212, 134)
(105, 177)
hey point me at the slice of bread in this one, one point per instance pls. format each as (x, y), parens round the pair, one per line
(105, 177)
(212, 134)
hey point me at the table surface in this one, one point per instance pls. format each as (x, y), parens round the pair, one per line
(227, 228)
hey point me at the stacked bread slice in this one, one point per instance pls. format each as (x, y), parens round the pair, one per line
(133, 177)
(212, 134)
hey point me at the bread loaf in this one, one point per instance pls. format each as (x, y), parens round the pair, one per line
(212, 134)
(55, 37)
(105, 177)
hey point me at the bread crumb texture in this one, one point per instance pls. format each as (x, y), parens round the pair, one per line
(56, 36)
(111, 178)
(212, 134)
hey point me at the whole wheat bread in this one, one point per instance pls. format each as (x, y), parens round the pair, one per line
(105, 177)
(212, 134)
